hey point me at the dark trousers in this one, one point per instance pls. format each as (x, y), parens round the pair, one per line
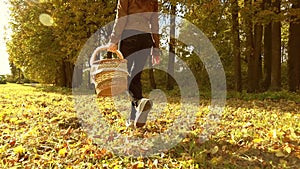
(136, 48)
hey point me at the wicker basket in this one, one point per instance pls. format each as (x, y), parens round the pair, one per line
(109, 75)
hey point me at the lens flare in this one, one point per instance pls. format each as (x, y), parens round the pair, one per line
(46, 19)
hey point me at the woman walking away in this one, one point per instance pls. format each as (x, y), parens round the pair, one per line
(135, 32)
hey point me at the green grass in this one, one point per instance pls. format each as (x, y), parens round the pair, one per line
(40, 129)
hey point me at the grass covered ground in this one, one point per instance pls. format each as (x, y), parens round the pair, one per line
(40, 129)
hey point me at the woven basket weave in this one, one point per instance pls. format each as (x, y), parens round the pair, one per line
(109, 75)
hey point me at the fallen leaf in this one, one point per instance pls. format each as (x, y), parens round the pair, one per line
(216, 160)
(272, 133)
(258, 140)
(288, 149)
(279, 154)
(19, 150)
(12, 142)
(248, 124)
(138, 165)
(214, 150)
(62, 152)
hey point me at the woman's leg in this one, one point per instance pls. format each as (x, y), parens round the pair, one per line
(136, 49)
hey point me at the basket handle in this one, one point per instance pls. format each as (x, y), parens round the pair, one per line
(98, 49)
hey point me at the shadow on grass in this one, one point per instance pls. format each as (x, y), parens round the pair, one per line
(222, 154)
(247, 151)
(254, 117)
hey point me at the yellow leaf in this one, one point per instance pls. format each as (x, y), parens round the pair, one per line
(274, 134)
(258, 140)
(34, 150)
(2, 150)
(114, 113)
(117, 167)
(62, 152)
(54, 119)
(13, 120)
(19, 149)
(216, 160)
(288, 149)
(279, 154)
(122, 129)
(140, 165)
(214, 150)
(36, 156)
(7, 131)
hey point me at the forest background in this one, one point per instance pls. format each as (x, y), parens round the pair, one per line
(257, 41)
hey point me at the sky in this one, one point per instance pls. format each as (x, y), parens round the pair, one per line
(4, 64)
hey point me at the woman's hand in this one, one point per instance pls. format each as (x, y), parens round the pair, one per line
(155, 60)
(155, 56)
(112, 47)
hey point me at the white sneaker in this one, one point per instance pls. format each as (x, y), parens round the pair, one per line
(143, 108)
(129, 123)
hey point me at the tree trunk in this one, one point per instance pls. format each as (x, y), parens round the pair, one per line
(258, 36)
(276, 51)
(60, 78)
(170, 75)
(19, 80)
(293, 52)
(267, 50)
(236, 46)
(250, 50)
(68, 70)
(258, 31)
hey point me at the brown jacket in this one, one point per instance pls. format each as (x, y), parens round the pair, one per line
(144, 18)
